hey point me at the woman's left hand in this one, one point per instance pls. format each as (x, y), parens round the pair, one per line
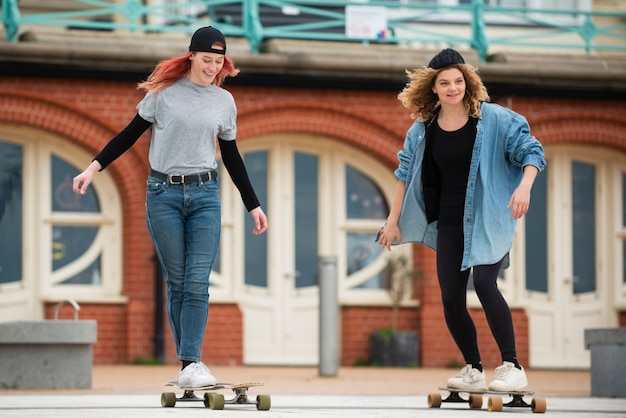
(520, 199)
(260, 220)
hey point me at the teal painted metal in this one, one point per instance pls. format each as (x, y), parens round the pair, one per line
(407, 22)
(479, 37)
(11, 18)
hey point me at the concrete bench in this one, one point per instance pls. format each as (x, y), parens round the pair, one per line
(608, 361)
(47, 354)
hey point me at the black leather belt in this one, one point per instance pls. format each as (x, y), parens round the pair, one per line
(184, 178)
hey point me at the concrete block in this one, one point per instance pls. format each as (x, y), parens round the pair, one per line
(47, 354)
(608, 368)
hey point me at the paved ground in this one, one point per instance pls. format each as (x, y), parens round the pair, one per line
(134, 391)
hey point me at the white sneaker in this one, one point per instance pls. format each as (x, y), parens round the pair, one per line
(508, 378)
(196, 375)
(468, 379)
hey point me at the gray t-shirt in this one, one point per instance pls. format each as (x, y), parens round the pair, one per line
(187, 118)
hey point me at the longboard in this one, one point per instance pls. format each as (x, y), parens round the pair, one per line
(215, 400)
(494, 403)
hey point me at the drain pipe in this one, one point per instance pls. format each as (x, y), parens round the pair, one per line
(159, 350)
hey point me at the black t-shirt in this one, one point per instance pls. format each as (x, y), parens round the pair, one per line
(452, 153)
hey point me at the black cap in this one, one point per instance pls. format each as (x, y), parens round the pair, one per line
(204, 38)
(446, 58)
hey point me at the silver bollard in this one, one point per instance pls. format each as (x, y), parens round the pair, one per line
(329, 316)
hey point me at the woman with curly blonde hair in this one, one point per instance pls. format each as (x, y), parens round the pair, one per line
(418, 92)
(465, 176)
(188, 111)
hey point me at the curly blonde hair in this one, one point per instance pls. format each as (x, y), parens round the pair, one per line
(418, 92)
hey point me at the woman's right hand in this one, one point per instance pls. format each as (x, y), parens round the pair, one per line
(388, 234)
(83, 180)
(390, 231)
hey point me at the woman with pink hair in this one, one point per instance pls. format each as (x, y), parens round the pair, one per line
(187, 110)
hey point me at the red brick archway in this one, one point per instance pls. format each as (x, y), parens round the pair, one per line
(602, 127)
(323, 119)
(117, 323)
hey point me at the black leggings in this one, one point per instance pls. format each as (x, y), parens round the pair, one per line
(453, 284)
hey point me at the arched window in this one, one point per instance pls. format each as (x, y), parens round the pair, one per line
(62, 245)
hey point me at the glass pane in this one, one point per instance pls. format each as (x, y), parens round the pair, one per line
(364, 200)
(361, 251)
(11, 167)
(63, 197)
(256, 245)
(559, 5)
(537, 4)
(375, 282)
(624, 261)
(537, 237)
(508, 3)
(70, 242)
(584, 227)
(624, 225)
(624, 199)
(306, 205)
(91, 275)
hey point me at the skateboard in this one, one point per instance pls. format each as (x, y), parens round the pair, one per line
(494, 403)
(215, 400)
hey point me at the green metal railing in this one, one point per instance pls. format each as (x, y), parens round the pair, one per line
(476, 24)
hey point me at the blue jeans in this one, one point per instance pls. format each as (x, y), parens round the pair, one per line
(184, 221)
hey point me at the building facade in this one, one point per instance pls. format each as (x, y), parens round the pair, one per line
(320, 143)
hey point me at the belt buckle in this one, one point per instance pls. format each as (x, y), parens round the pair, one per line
(180, 180)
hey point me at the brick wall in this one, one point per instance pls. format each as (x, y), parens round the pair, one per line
(112, 342)
(357, 323)
(88, 113)
(223, 337)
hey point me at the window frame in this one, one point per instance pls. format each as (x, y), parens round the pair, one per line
(39, 220)
(333, 157)
(611, 230)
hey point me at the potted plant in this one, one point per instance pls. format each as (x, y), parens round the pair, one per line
(392, 347)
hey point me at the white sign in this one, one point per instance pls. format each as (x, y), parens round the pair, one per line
(366, 22)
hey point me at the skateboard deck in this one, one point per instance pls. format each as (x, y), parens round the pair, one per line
(214, 400)
(494, 403)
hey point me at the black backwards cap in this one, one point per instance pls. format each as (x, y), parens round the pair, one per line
(446, 58)
(204, 38)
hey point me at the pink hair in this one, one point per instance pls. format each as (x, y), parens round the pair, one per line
(168, 71)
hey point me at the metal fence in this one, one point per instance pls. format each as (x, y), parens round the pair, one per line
(476, 24)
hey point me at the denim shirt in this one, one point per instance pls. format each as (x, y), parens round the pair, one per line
(503, 146)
